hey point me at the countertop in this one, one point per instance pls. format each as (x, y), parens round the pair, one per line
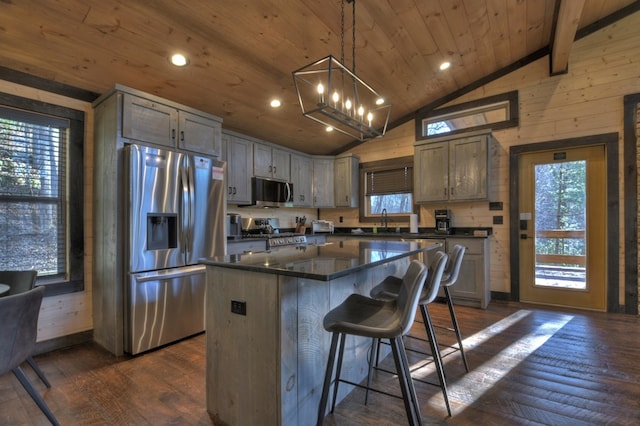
(326, 261)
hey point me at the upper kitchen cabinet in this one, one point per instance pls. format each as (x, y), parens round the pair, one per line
(199, 134)
(346, 185)
(147, 119)
(323, 192)
(271, 162)
(301, 166)
(238, 153)
(452, 169)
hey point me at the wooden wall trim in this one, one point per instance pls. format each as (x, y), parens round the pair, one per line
(610, 141)
(630, 176)
(25, 79)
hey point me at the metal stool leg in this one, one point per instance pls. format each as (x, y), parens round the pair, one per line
(375, 353)
(19, 373)
(39, 372)
(322, 408)
(343, 337)
(456, 328)
(406, 383)
(433, 343)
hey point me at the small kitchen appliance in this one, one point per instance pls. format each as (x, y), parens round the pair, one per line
(234, 226)
(322, 227)
(443, 221)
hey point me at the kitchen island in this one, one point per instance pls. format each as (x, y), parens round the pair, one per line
(266, 347)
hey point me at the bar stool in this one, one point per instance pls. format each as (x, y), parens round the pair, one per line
(388, 290)
(449, 278)
(363, 316)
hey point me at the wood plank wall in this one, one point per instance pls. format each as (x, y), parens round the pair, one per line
(588, 100)
(69, 313)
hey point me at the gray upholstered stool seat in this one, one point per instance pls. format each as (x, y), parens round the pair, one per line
(388, 290)
(362, 316)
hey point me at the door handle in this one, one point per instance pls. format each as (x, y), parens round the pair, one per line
(524, 236)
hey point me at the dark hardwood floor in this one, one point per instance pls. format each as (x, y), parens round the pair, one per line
(530, 365)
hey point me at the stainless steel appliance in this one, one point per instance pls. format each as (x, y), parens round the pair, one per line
(443, 221)
(269, 228)
(234, 226)
(175, 212)
(321, 226)
(270, 193)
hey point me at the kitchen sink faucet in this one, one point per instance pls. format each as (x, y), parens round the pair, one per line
(385, 219)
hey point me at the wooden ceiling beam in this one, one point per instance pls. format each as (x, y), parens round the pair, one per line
(566, 25)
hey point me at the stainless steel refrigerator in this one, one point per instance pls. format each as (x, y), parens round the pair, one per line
(175, 211)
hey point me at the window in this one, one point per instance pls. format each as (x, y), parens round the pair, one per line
(494, 112)
(387, 185)
(41, 192)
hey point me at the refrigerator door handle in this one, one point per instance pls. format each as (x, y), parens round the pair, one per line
(185, 204)
(191, 197)
(168, 274)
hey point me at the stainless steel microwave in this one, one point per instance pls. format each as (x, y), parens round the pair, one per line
(270, 193)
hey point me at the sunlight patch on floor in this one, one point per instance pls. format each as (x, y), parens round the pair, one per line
(508, 358)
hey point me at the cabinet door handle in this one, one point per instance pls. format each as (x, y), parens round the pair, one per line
(182, 135)
(234, 191)
(230, 191)
(173, 134)
(274, 170)
(270, 169)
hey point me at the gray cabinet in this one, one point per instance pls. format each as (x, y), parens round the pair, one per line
(150, 121)
(271, 162)
(323, 192)
(452, 169)
(346, 181)
(473, 286)
(301, 176)
(238, 153)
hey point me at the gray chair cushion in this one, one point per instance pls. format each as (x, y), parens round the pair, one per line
(18, 281)
(18, 327)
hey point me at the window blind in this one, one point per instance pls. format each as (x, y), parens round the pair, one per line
(33, 191)
(396, 180)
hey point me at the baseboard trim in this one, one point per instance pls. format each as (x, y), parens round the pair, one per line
(63, 342)
(500, 295)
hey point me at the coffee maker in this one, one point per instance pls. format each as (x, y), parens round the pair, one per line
(443, 221)
(234, 229)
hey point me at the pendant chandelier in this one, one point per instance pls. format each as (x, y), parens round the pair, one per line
(333, 95)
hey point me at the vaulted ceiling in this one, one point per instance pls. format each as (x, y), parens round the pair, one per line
(242, 52)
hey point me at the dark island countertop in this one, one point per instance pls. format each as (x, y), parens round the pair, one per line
(323, 262)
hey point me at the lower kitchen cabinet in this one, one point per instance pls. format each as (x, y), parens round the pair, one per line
(473, 286)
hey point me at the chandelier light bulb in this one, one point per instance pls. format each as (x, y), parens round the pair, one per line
(336, 97)
(379, 101)
(361, 111)
(370, 118)
(321, 93)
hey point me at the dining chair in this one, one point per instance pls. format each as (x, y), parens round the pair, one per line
(18, 331)
(21, 282)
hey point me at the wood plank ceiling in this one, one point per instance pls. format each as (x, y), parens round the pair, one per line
(242, 52)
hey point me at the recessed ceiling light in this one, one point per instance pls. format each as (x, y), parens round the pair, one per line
(179, 60)
(275, 103)
(329, 129)
(445, 65)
